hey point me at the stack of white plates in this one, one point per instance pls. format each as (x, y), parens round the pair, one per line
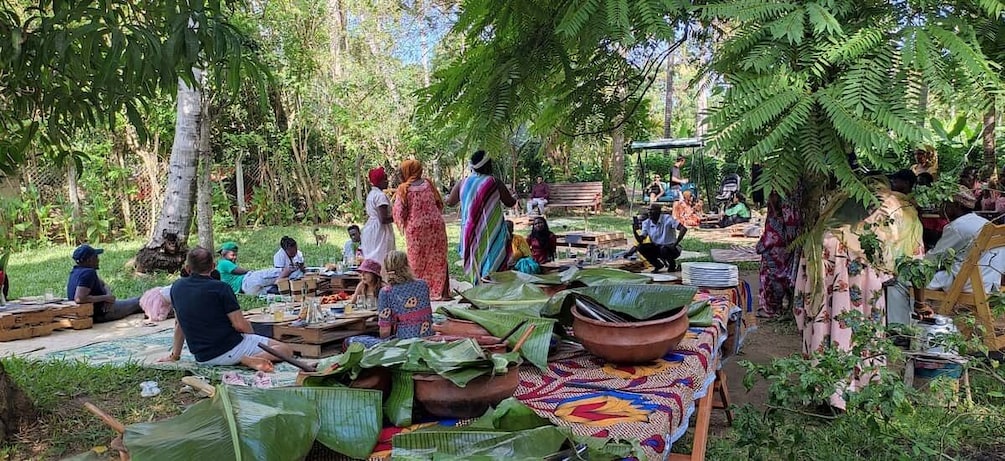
(713, 275)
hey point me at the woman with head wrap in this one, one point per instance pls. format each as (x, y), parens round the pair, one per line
(378, 233)
(418, 210)
(484, 241)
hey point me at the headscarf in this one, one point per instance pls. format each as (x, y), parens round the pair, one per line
(377, 176)
(411, 171)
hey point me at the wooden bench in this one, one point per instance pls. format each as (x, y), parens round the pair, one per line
(956, 300)
(576, 195)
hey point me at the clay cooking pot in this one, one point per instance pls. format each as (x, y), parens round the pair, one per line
(632, 342)
(444, 399)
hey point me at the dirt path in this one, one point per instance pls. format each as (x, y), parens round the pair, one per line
(771, 339)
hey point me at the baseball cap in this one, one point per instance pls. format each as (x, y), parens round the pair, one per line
(228, 246)
(85, 251)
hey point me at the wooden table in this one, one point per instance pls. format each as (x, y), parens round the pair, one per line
(31, 317)
(620, 263)
(316, 340)
(601, 240)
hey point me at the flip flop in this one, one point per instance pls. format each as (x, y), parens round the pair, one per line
(233, 378)
(261, 381)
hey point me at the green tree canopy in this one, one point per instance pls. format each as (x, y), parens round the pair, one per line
(68, 65)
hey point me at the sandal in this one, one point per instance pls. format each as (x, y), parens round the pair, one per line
(233, 378)
(261, 381)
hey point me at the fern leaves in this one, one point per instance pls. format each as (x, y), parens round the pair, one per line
(811, 82)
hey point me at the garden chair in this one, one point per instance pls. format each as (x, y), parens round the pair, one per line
(956, 300)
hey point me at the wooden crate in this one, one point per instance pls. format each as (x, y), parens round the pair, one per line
(18, 316)
(322, 340)
(600, 239)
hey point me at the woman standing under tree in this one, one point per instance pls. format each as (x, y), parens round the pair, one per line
(378, 233)
(484, 241)
(418, 210)
(778, 260)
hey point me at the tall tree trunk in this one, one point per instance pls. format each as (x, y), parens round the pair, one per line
(204, 191)
(988, 134)
(424, 39)
(74, 196)
(618, 166)
(119, 147)
(150, 156)
(668, 98)
(168, 241)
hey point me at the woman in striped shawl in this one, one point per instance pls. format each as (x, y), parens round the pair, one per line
(484, 239)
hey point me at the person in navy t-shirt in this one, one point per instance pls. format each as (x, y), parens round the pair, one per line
(209, 319)
(85, 286)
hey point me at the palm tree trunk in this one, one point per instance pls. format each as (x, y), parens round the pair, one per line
(168, 241)
(204, 191)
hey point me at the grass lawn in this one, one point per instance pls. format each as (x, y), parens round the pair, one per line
(64, 428)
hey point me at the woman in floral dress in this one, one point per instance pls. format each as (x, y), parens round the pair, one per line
(847, 274)
(778, 259)
(418, 210)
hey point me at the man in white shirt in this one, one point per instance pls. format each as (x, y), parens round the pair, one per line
(350, 251)
(289, 255)
(960, 235)
(664, 233)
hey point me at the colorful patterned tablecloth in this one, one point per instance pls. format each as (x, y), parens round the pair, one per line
(651, 403)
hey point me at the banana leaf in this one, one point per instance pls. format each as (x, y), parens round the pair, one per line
(514, 296)
(435, 444)
(509, 415)
(517, 276)
(597, 276)
(498, 323)
(639, 301)
(351, 419)
(400, 402)
(700, 314)
(238, 423)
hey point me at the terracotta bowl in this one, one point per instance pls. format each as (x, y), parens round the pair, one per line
(634, 342)
(455, 327)
(378, 379)
(550, 290)
(443, 399)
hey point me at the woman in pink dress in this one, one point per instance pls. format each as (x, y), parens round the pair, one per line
(418, 210)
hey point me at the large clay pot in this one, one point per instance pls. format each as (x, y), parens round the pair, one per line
(443, 399)
(633, 342)
(455, 327)
(489, 343)
(550, 290)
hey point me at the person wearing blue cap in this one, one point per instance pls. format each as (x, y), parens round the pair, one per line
(85, 286)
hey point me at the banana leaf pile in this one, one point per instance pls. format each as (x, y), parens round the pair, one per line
(641, 302)
(592, 276)
(458, 361)
(245, 424)
(510, 431)
(501, 322)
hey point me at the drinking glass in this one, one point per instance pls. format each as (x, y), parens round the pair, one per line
(371, 303)
(48, 295)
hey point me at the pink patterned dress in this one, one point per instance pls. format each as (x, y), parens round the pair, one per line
(846, 280)
(426, 235)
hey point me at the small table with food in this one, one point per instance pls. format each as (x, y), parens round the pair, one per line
(317, 339)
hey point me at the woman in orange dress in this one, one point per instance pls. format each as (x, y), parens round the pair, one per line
(684, 212)
(418, 211)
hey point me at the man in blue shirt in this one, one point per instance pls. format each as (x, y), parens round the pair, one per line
(85, 286)
(209, 319)
(664, 233)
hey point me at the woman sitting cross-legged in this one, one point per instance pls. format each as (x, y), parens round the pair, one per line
(543, 242)
(403, 306)
(738, 212)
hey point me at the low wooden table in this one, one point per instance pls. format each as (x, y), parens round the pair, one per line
(318, 340)
(620, 263)
(602, 240)
(330, 284)
(32, 317)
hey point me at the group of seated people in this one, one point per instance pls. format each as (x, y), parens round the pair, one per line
(658, 191)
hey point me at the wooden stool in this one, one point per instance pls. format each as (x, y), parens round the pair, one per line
(721, 391)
